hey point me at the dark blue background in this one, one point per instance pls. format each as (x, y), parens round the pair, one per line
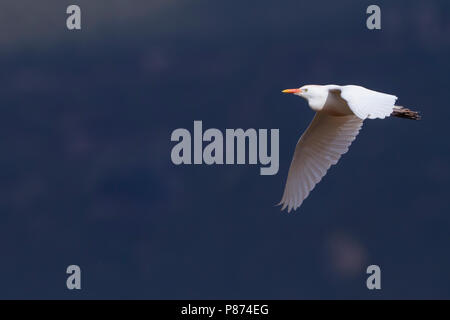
(85, 170)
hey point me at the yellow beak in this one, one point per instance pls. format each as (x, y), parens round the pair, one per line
(291, 90)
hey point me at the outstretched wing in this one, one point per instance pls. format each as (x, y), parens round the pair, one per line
(367, 103)
(322, 144)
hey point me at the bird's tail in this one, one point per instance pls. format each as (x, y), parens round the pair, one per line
(402, 112)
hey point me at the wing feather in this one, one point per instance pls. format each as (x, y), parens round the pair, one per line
(320, 146)
(367, 103)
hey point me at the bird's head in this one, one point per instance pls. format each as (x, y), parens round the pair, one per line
(306, 92)
(314, 94)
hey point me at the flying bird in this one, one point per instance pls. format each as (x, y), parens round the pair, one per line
(340, 113)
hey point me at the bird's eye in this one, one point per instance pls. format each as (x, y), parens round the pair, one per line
(306, 90)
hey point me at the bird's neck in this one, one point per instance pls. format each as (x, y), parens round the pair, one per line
(317, 103)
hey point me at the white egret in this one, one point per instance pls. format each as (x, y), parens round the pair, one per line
(340, 112)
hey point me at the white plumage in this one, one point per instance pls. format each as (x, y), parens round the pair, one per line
(340, 112)
(367, 103)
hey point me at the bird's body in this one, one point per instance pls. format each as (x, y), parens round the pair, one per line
(340, 112)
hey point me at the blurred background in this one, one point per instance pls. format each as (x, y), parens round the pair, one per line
(86, 176)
